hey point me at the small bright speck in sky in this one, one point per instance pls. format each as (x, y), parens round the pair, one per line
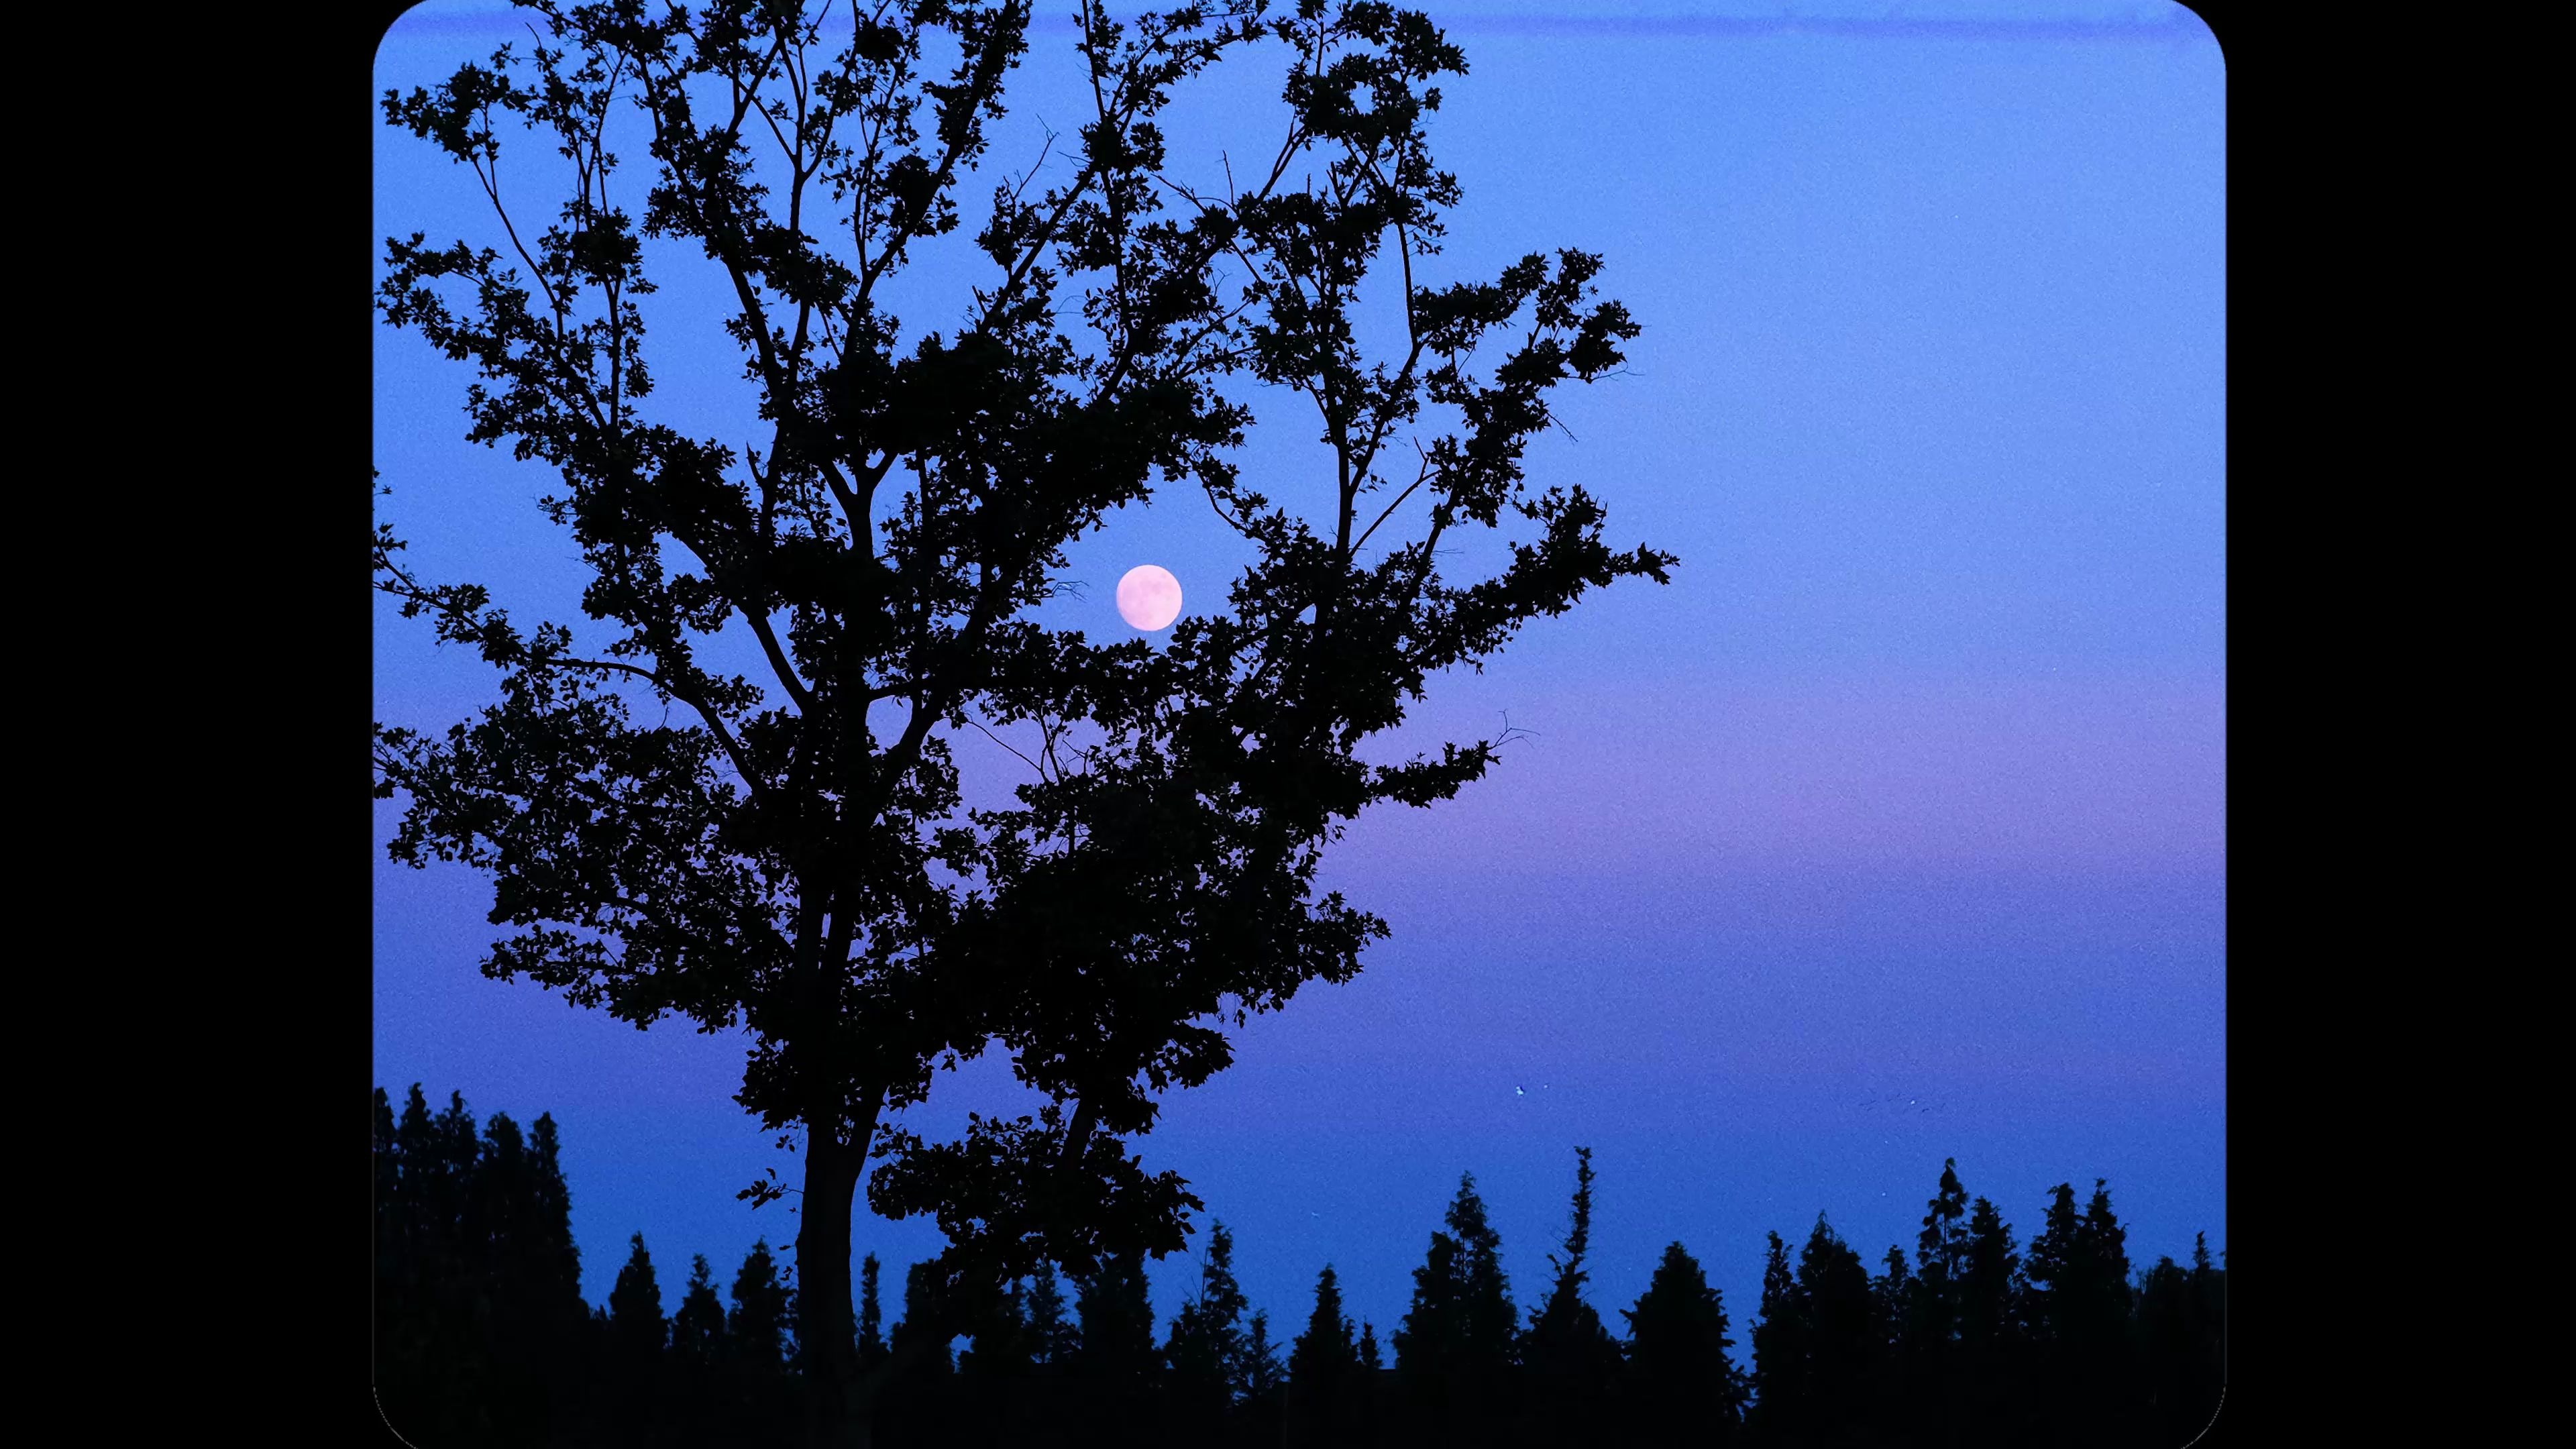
(1149, 597)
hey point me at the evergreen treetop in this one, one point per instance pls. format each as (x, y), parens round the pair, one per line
(635, 1305)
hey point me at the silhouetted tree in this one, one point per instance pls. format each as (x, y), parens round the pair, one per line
(756, 1328)
(1053, 1336)
(431, 1359)
(636, 1328)
(759, 1346)
(996, 1377)
(1679, 1387)
(2169, 1355)
(1116, 1364)
(1928, 1342)
(2208, 1285)
(872, 1345)
(1892, 1294)
(1845, 1343)
(636, 1337)
(912, 1401)
(1263, 1386)
(1326, 1403)
(1819, 1352)
(1569, 1359)
(793, 855)
(460, 1265)
(699, 1359)
(1052, 1346)
(1780, 1353)
(1994, 1393)
(1000, 1349)
(395, 1245)
(482, 1334)
(1453, 1353)
(2055, 1266)
(1204, 1352)
(519, 1218)
(1380, 1406)
(2079, 1275)
(698, 1328)
(548, 1261)
(2107, 1347)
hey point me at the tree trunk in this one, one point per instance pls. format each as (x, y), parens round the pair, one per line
(826, 1325)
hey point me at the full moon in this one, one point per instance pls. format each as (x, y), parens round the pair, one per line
(1149, 597)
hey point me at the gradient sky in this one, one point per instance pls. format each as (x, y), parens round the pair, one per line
(1894, 829)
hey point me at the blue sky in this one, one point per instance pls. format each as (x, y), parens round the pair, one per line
(1909, 789)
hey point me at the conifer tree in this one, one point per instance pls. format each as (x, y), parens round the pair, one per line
(542, 1270)
(552, 1263)
(2206, 1285)
(1453, 1352)
(1324, 1367)
(637, 1330)
(393, 1230)
(1893, 1312)
(1679, 1386)
(2079, 1274)
(999, 1351)
(1052, 1346)
(498, 1202)
(1116, 1362)
(913, 1400)
(1377, 1407)
(2105, 1377)
(1261, 1386)
(1941, 1252)
(1780, 1370)
(483, 1334)
(1989, 1314)
(924, 1332)
(1568, 1358)
(872, 1344)
(2053, 1265)
(2209, 1299)
(2054, 1271)
(1844, 1343)
(759, 1345)
(2104, 1245)
(458, 1151)
(400, 1361)
(1204, 1352)
(2168, 1352)
(634, 1389)
(1929, 1348)
(1052, 1334)
(464, 1396)
(698, 1327)
(995, 1390)
(409, 1355)
(1994, 1390)
(757, 1325)
(1117, 1321)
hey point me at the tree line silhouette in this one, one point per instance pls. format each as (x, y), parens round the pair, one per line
(482, 1336)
